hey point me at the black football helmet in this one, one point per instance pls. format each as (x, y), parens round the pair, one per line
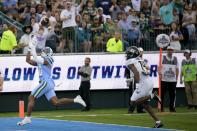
(132, 52)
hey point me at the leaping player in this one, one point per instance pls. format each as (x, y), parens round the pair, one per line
(46, 83)
(143, 93)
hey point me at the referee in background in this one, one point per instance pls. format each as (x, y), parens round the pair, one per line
(84, 89)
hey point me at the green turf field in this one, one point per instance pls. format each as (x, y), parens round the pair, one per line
(183, 119)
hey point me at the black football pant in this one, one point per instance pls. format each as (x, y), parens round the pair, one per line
(84, 91)
(171, 88)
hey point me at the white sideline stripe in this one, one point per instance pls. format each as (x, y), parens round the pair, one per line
(109, 124)
(94, 115)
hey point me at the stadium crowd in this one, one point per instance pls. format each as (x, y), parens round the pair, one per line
(88, 25)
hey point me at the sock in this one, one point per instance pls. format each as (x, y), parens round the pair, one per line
(28, 117)
(75, 101)
(152, 95)
(157, 122)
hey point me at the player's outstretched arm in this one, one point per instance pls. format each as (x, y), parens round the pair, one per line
(135, 72)
(29, 60)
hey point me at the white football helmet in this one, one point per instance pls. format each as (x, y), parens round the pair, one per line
(46, 51)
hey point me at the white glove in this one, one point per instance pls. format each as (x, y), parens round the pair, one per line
(33, 41)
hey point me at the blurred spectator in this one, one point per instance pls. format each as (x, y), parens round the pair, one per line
(97, 34)
(175, 37)
(53, 40)
(24, 41)
(67, 17)
(79, 4)
(124, 25)
(39, 9)
(115, 44)
(143, 26)
(134, 34)
(105, 4)
(102, 17)
(126, 6)
(78, 19)
(90, 9)
(84, 37)
(155, 9)
(132, 16)
(145, 8)
(4, 28)
(175, 16)
(114, 9)
(86, 17)
(26, 16)
(189, 20)
(109, 28)
(10, 8)
(136, 4)
(58, 5)
(52, 20)
(166, 11)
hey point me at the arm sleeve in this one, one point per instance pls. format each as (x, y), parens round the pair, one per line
(127, 73)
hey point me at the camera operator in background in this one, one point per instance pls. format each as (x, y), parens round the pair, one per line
(67, 17)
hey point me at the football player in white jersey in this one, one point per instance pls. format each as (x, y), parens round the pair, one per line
(1, 80)
(143, 93)
(46, 84)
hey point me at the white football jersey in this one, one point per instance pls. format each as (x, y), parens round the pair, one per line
(139, 64)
